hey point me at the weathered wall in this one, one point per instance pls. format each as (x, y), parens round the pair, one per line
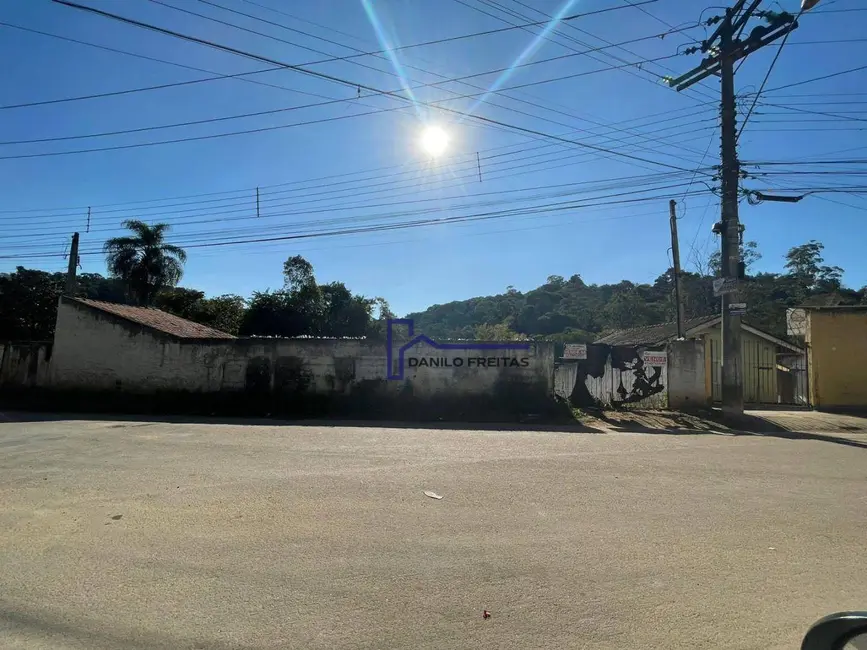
(686, 374)
(615, 376)
(473, 371)
(837, 357)
(97, 351)
(24, 365)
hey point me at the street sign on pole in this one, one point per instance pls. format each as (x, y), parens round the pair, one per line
(737, 308)
(722, 286)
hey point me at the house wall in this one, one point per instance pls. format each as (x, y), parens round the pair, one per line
(97, 351)
(686, 374)
(837, 358)
(758, 363)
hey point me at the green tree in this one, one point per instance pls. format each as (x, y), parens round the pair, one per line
(297, 274)
(749, 255)
(805, 266)
(144, 261)
(28, 304)
(305, 308)
(224, 313)
(498, 332)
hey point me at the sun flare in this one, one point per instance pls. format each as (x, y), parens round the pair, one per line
(434, 141)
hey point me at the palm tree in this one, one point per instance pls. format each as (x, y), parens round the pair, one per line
(144, 261)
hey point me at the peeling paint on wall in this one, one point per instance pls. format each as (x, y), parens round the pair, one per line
(613, 376)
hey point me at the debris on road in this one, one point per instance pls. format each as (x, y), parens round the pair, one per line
(432, 495)
(486, 614)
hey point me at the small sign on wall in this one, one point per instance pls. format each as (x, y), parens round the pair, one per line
(575, 351)
(654, 358)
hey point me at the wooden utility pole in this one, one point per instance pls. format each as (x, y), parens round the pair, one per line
(73, 265)
(675, 257)
(721, 62)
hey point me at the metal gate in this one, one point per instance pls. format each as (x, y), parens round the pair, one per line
(768, 377)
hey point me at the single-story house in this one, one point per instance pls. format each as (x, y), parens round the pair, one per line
(774, 370)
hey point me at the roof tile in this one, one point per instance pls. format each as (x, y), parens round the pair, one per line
(158, 320)
(652, 334)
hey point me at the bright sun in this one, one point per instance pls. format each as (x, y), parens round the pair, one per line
(434, 141)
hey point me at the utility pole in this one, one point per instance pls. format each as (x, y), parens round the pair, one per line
(721, 62)
(675, 256)
(732, 373)
(73, 264)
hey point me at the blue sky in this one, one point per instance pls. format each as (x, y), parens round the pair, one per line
(369, 170)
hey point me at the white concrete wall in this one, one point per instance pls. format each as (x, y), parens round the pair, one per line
(686, 374)
(480, 371)
(97, 351)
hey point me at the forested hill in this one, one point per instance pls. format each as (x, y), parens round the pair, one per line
(560, 310)
(569, 310)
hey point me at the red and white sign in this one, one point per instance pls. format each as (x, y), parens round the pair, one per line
(575, 351)
(654, 358)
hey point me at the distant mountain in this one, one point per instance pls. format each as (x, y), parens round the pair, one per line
(572, 311)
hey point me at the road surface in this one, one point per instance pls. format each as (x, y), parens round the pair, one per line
(137, 534)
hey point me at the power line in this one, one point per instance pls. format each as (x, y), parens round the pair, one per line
(765, 80)
(551, 38)
(294, 108)
(341, 81)
(559, 206)
(856, 161)
(822, 78)
(283, 87)
(240, 78)
(546, 107)
(809, 112)
(331, 179)
(646, 185)
(269, 203)
(501, 92)
(835, 11)
(258, 247)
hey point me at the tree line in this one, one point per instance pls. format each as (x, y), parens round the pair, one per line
(144, 269)
(570, 310)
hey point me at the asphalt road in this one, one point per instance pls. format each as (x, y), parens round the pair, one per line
(156, 535)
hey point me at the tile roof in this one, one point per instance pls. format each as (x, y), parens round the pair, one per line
(156, 319)
(653, 334)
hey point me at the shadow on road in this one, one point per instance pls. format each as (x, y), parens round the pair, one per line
(130, 421)
(598, 422)
(713, 422)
